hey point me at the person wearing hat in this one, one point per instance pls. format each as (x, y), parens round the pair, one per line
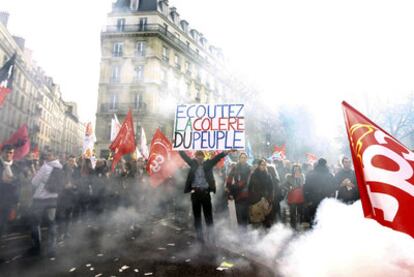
(319, 184)
(200, 182)
(9, 185)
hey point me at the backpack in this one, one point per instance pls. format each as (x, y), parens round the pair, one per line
(56, 181)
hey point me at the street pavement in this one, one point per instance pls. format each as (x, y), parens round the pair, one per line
(153, 246)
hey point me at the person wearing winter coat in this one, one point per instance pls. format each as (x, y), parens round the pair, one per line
(47, 182)
(237, 189)
(261, 190)
(200, 182)
(346, 183)
(319, 184)
(294, 187)
(9, 185)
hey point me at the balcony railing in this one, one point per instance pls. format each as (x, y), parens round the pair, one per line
(155, 29)
(122, 107)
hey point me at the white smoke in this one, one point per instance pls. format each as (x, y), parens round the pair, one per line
(342, 243)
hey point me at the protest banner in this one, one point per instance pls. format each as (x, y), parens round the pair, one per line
(209, 127)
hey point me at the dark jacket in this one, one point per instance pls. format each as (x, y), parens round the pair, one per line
(260, 185)
(319, 184)
(237, 181)
(208, 171)
(347, 194)
(9, 192)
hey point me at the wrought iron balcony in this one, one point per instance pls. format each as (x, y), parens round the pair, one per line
(156, 29)
(122, 107)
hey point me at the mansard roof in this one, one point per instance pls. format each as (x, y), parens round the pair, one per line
(144, 5)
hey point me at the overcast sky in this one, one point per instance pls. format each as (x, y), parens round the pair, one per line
(297, 51)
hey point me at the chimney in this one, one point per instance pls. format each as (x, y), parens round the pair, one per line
(174, 15)
(164, 7)
(20, 42)
(203, 40)
(184, 25)
(194, 34)
(4, 18)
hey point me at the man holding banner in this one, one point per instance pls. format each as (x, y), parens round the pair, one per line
(206, 127)
(200, 182)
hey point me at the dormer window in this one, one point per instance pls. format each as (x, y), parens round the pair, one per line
(143, 23)
(120, 24)
(134, 5)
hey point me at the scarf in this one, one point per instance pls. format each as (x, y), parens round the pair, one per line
(7, 172)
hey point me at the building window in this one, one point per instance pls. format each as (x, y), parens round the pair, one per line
(139, 73)
(188, 44)
(177, 61)
(143, 23)
(117, 49)
(165, 54)
(115, 76)
(140, 49)
(137, 101)
(113, 104)
(187, 68)
(120, 24)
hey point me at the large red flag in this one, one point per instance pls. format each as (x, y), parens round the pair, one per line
(124, 142)
(162, 161)
(21, 141)
(384, 170)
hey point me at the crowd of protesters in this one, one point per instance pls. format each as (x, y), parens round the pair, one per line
(56, 192)
(259, 190)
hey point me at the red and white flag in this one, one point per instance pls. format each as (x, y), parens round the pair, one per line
(21, 141)
(124, 142)
(279, 153)
(143, 144)
(88, 142)
(162, 161)
(6, 78)
(385, 172)
(115, 126)
(312, 158)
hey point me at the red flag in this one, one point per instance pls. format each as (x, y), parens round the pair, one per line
(124, 142)
(312, 158)
(6, 78)
(162, 161)
(35, 152)
(279, 153)
(21, 141)
(384, 170)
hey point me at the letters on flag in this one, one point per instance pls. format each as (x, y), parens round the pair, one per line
(384, 170)
(21, 141)
(6, 78)
(209, 127)
(124, 142)
(162, 161)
